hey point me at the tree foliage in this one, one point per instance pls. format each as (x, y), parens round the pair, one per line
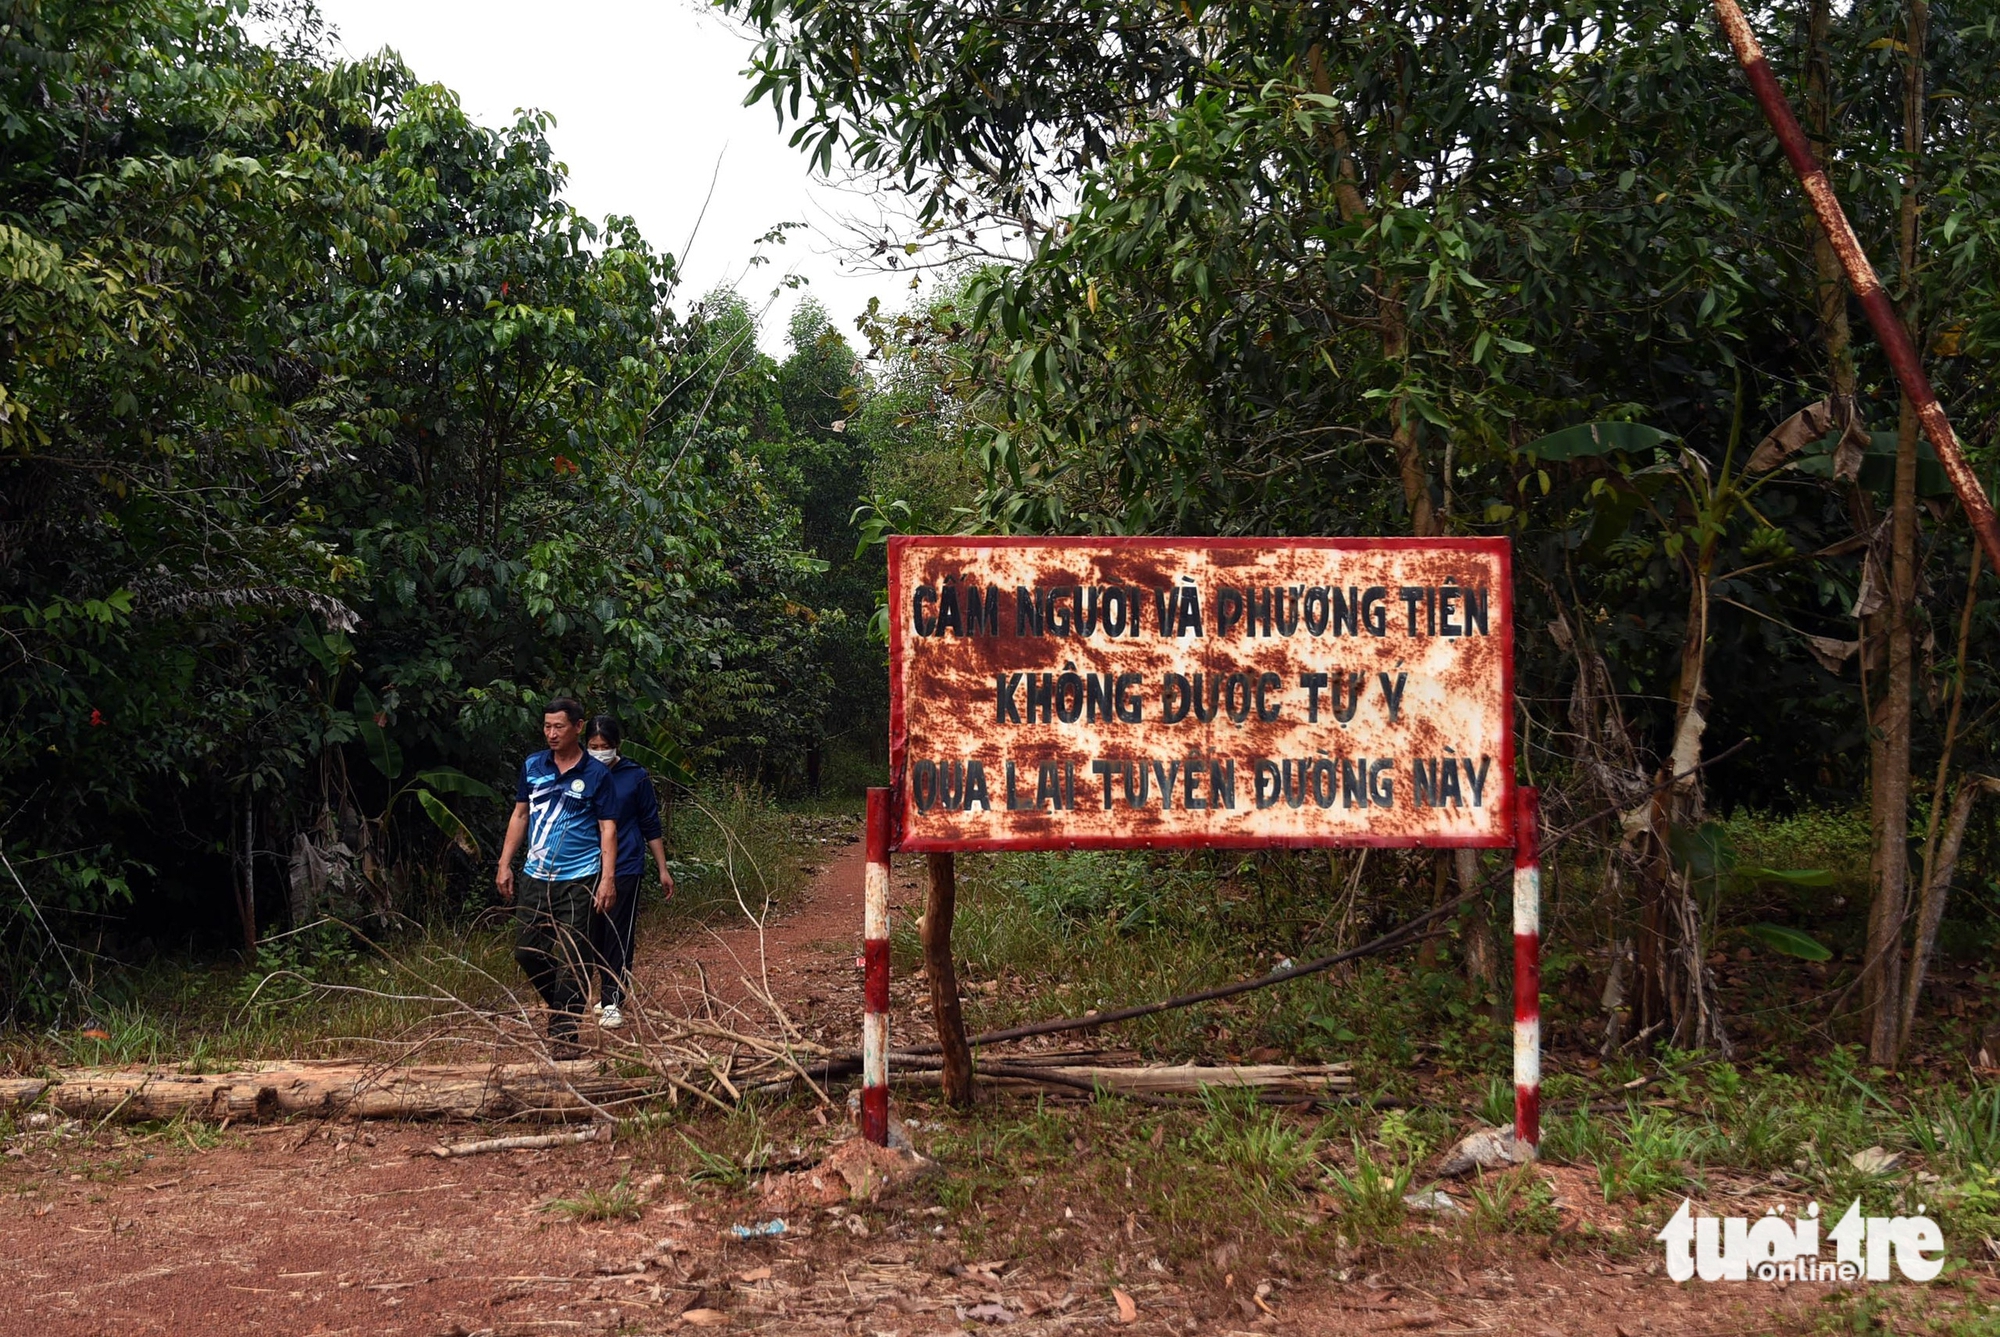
(1307, 269)
(331, 439)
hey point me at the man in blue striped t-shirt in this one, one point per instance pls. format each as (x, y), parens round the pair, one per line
(561, 810)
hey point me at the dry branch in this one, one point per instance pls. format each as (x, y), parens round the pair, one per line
(1272, 1081)
(1187, 1079)
(514, 1143)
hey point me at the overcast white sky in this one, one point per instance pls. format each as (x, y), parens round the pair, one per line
(647, 96)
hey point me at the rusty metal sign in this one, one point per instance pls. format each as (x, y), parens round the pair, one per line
(1075, 693)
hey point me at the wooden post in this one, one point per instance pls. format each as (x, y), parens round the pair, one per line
(939, 906)
(875, 977)
(1527, 969)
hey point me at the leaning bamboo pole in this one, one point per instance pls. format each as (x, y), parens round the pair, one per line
(1882, 317)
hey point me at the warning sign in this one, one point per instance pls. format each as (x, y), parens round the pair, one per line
(1059, 693)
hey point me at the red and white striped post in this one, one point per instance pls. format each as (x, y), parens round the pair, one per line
(1527, 969)
(875, 978)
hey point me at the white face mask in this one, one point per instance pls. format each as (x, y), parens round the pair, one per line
(607, 755)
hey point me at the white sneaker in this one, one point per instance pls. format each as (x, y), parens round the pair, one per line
(610, 1018)
(598, 1008)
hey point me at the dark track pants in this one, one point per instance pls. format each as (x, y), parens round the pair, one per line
(552, 943)
(611, 936)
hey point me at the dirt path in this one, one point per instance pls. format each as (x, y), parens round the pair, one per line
(802, 955)
(807, 956)
(266, 1236)
(345, 1230)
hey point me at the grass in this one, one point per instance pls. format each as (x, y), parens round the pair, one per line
(731, 1169)
(1801, 1130)
(1959, 1130)
(1257, 1142)
(181, 1132)
(1373, 1194)
(1808, 838)
(1073, 931)
(205, 1017)
(1514, 1202)
(329, 991)
(618, 1203)
(1065, 933)
(733, 851)
(1039, 1180)
(1651, 1153)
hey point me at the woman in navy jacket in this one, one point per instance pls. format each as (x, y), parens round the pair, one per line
(633, 804)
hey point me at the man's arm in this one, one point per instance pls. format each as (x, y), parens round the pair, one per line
(659, 849)
(607, 854)
(517, 829)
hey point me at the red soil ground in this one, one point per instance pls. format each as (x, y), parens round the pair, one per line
(302, 1229)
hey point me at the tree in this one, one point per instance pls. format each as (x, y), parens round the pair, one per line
(331, 438)
(1330, 270)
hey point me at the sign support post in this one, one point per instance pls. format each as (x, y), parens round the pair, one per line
(875, 982)
(1188, 693)
(940, 906)
(1527, 969)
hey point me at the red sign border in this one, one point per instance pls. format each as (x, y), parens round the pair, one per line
(1500, 548)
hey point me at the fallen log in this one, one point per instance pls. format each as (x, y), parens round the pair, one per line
(336, 1089)
(554, 1092)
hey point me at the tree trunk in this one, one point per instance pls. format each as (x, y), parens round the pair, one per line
(1389, 316)
(1652, 950)
(939, 907)
(1672, 997)
(1482, 971)
(1890, 790)
(1427, 950)
(1277, 1082)
(1936, 890)
(1690, 701)
(1409, 451)
(1938, 865)
(1415, 478)
(246, 879)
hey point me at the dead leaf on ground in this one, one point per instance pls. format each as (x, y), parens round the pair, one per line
(705, 1318)
(1128, 1310)
(1875, 1161)
(755, 1274)
(993, 1313)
